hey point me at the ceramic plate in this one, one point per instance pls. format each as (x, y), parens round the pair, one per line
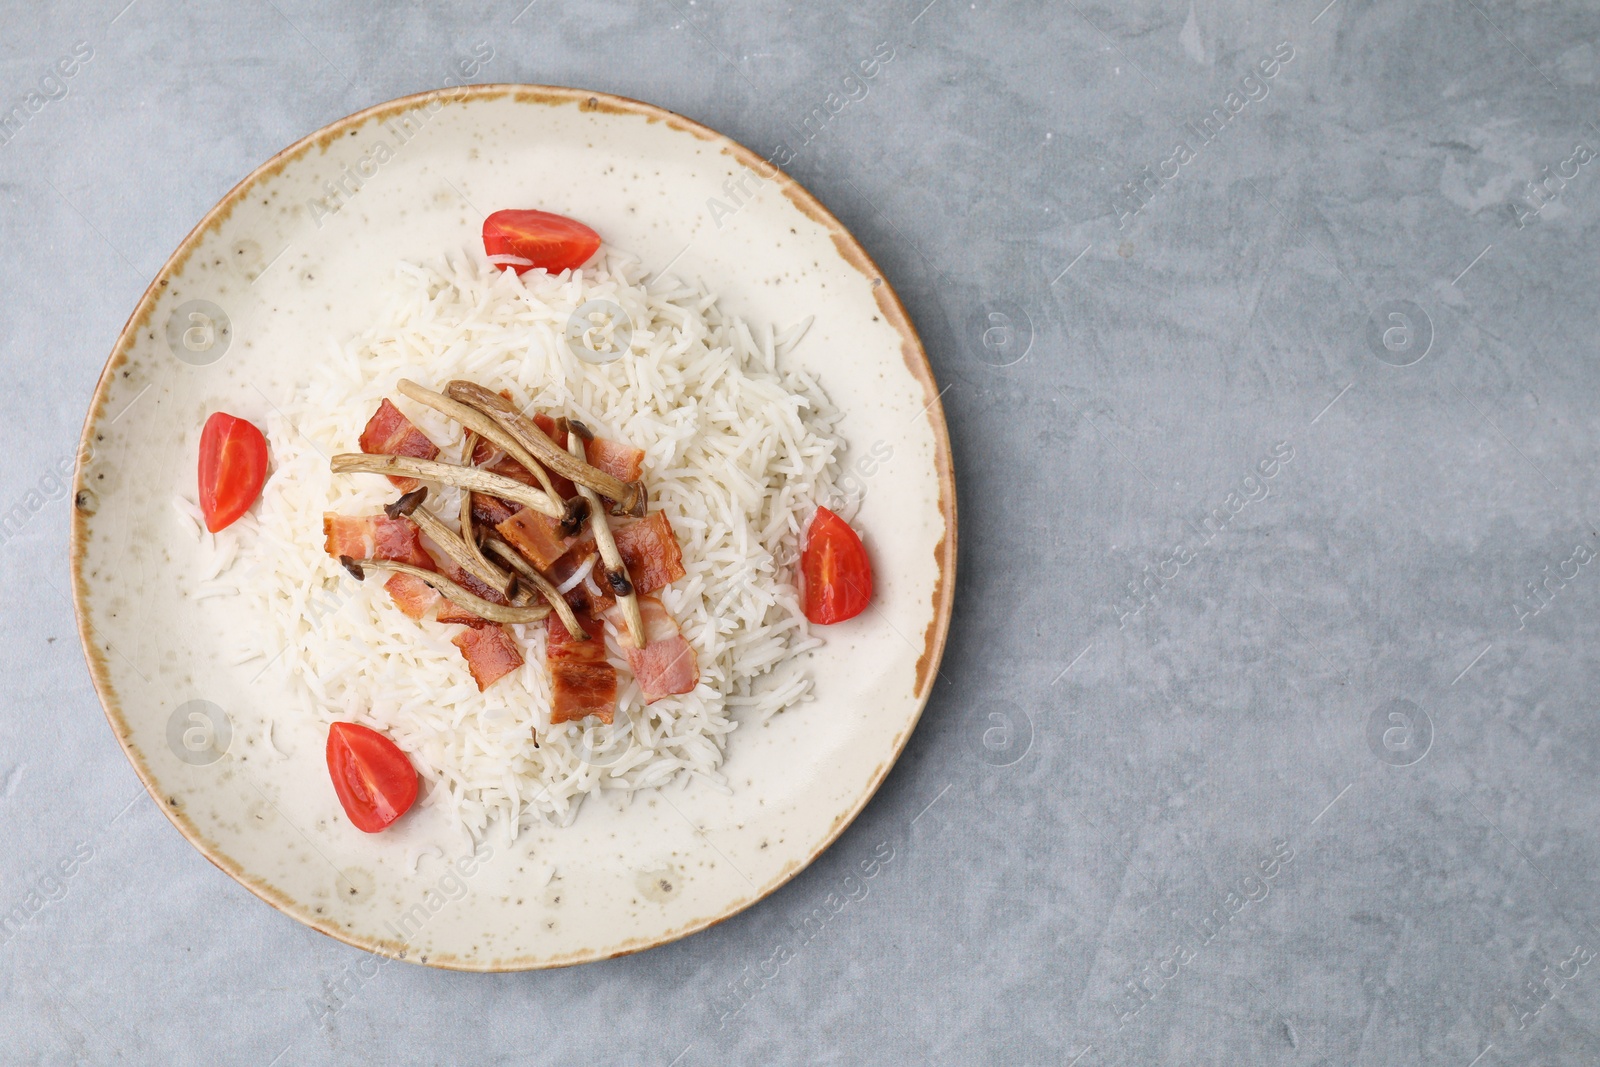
(236, 319)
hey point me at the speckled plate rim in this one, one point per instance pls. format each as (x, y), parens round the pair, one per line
(850, 250)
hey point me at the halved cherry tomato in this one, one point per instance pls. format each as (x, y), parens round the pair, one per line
(374, 780)
(542, 239)
(835, 577)
(233, 467)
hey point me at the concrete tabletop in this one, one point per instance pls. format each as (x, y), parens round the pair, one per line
(1265, 734)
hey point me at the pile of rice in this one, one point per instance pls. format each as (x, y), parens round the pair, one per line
(739, 451)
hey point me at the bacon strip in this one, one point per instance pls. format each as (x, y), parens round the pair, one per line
(491, 510)
(650, 550)
(490, 458)
(582, 682)
(380, 537)
(587, 597)
(412, 595)
(374, 537)
(389, 433)
(490, 653)
(623, 462)
(564, 486)
(452, 612)
(667, 663)
(536, 536)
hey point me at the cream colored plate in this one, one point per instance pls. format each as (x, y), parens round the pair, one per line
(285, 276)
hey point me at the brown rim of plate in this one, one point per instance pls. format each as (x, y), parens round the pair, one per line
(554, 96)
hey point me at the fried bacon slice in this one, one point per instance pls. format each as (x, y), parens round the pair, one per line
(413, 596)
(650, 550)
(587, 595)
(582, 683)
(374, 537)
(389, 433)
(490, 652)
(536, 536)
(450, 612)
(399, 539)
(547, 426)
(623, 462)
(667, 663)
(380, 537)
(491, 510)
(490, 458)
(512, 613)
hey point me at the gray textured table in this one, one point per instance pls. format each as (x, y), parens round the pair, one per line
(1265, 733)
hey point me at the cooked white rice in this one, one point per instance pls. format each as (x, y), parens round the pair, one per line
(739, 450)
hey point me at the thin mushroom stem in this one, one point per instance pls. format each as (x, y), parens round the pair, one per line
(616, 570)
(477, 422)
(450, 591)
(432, 470)
(558, 602)
(454, 547)
(630, 499)
(468, 537)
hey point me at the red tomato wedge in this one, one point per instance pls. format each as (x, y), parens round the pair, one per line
(374, 780)
(835, 577)
(233, 467)
(523, 240)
